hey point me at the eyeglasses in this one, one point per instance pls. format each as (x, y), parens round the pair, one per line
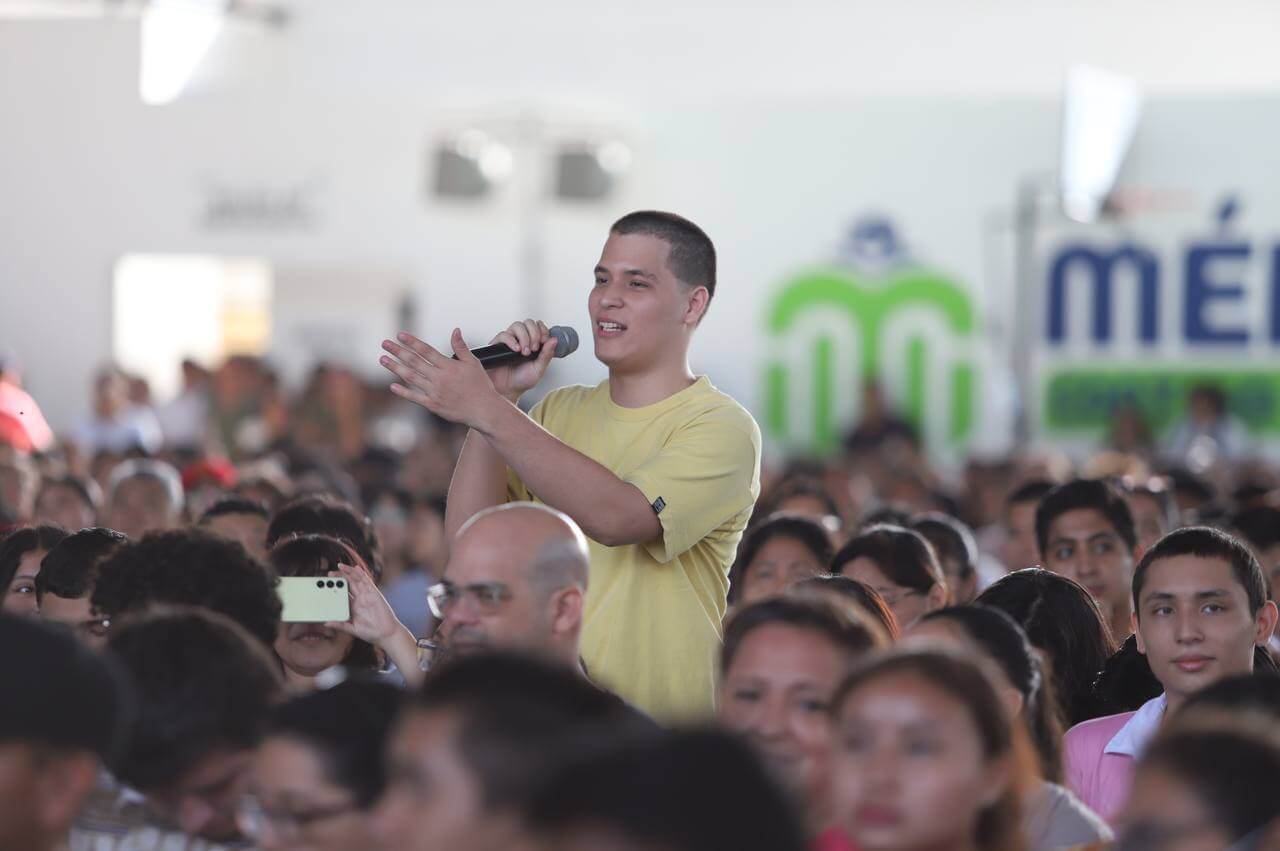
(487, 596)
(255, 820)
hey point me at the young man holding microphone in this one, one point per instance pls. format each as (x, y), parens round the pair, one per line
(659, 468)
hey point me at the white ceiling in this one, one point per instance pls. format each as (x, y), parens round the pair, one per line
(647, 51)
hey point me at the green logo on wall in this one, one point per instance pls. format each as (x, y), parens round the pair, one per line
(880, 317)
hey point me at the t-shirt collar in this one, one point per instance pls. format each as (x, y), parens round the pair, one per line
(1132, 739)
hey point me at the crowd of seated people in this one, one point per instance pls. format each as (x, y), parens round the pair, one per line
(1019, 654)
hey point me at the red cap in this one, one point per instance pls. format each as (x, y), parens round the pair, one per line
(218, 471)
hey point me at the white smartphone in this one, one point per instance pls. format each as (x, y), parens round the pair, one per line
(314, 599)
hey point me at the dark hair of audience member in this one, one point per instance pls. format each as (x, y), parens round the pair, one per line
(317, 555)
(802, 487)
(190, 567)
(322, 515)
(885, 515)
(18, 543)
(1191, 487)
(514, 712)
(1204, 542)
(853, 635)
(1158, 491)
(234, 505)
(1259, 526)
(805, 531)
(1093, 494)
(903, 556)
(692, 790)
(203, 684)
(1006, 643)
(999, 825)
(1126, 681)
(952, 540)
(1030, 491)
(1257, 694)
(860, 594)
(347, 726)
(262, 490)
(1230, 768)
(52, 681)
(1061, 618)
(69, 568)
(86, 490)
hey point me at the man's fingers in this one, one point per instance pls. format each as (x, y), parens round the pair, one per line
(460, 346)
(547, 353)
(521, 333)
(533, 328)
(544, 333)
(411, 377)
(507, 339)
(413, 346)
(415, 396)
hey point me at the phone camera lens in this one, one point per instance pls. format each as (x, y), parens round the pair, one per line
(319, 583)
(340, 583)
(330, 583)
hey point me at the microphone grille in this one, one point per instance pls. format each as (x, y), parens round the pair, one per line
(566, 340)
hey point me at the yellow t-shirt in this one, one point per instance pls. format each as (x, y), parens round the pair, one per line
(651, 629)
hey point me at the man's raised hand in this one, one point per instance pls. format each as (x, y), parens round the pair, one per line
(460, 390)
(525, 337)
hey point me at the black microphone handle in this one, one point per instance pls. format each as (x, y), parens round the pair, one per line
(499, 354)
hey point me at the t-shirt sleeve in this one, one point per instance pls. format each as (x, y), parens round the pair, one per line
(707, 473)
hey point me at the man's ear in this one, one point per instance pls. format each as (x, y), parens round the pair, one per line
(1137, 633)
(696, 307)
(566, 610)
(1267, 617)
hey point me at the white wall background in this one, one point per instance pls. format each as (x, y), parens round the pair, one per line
(772, 125)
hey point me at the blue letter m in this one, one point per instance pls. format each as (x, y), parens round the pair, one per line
(1101, 265)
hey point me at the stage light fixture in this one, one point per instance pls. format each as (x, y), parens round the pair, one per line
(590, 171)
(470, 164)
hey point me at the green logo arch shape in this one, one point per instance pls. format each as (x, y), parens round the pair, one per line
(868, 309)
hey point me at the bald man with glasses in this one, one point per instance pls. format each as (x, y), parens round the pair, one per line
(516, 579)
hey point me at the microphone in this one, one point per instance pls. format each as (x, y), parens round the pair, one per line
(500, 354)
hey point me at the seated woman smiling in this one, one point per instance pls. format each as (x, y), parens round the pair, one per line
(782, 661)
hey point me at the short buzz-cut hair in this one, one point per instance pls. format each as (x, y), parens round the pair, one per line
(692, 258)
(233, 505)
(1207, 543)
